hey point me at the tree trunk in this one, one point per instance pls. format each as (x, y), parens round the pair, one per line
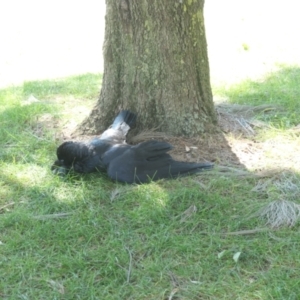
(155, 64)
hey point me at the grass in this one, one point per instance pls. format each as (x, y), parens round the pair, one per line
(280, 88)
(163, 240)
(80, 86)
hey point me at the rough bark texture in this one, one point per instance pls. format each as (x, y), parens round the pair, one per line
(155, 64)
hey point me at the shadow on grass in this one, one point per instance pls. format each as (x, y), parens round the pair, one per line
(280, 88)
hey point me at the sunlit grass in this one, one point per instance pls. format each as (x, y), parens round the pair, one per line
(280, 89)
(80, 86)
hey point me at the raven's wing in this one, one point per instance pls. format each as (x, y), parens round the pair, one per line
(113, 152)
(150, 161)
(120, 127)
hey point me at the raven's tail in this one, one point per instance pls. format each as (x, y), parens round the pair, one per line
(125, 116)
(158, 161)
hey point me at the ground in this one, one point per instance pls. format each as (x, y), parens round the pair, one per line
(192, 238)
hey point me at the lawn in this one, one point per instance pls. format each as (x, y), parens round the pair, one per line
(86, 237)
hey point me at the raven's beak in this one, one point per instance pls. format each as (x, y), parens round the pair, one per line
(58, 168)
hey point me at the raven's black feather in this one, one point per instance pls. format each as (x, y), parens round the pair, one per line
(150, 161)
(123, 162)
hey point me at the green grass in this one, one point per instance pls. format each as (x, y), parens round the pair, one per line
(135, 244)
(80, 86)
(280, 88)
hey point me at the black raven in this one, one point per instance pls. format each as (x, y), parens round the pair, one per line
(139, 163)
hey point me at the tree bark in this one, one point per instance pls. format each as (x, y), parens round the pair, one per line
(155, 64)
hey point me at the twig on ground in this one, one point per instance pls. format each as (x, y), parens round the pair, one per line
(244, 232)
(174, 279)
(172, 294)
(240, 232)
(130, 265)
(117, 192)
(52, 216)
(188, 213)
(7, 205)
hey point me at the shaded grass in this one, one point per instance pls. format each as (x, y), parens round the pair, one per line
(280, 88)
(20, 120)
(141, 243)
